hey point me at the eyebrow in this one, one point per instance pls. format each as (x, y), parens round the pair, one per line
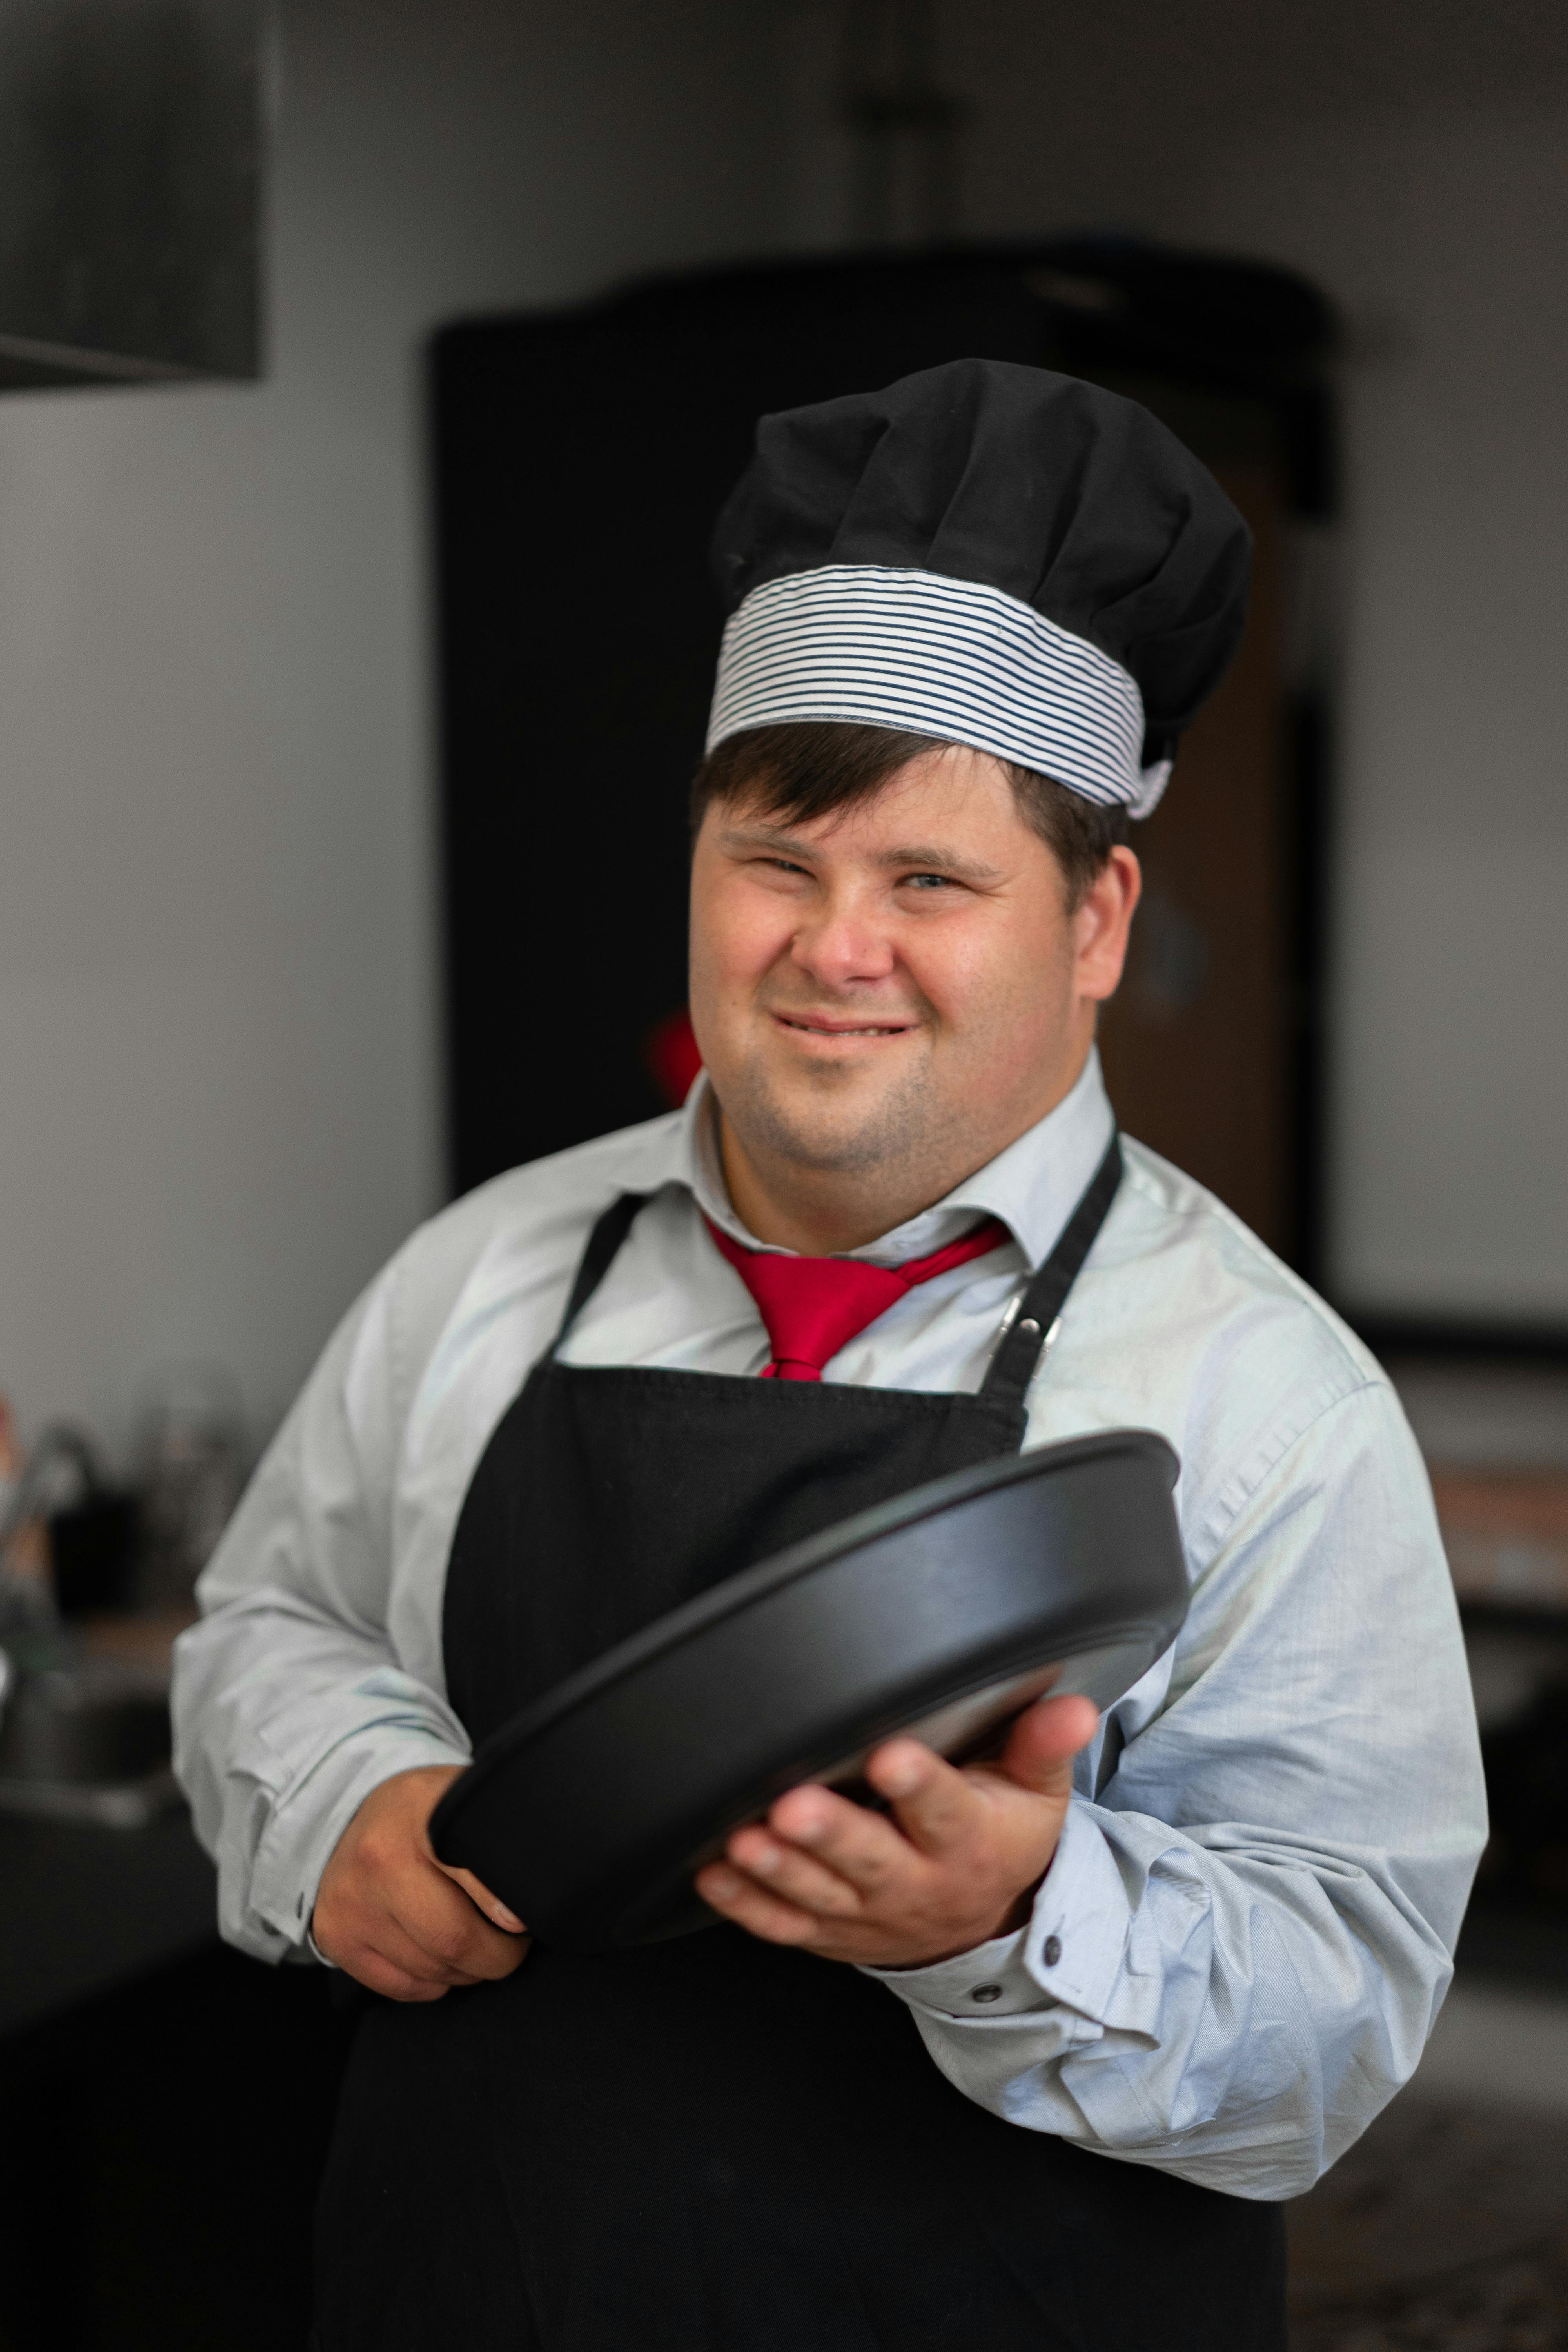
(922, 857)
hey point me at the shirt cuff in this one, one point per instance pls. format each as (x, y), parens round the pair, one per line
(989, 1981)
(1069, 1953)
(1077, 1938)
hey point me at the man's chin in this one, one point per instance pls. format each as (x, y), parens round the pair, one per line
(822, 1153)
(839, 1129)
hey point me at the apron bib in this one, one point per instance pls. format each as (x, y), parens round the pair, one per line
(716, 2144)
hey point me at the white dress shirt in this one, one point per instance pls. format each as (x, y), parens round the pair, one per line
(1238, 1951)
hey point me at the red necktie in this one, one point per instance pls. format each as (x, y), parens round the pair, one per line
(814, 1306)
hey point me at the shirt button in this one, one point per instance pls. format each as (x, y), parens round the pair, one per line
(986, 1992)
(1051, 1951)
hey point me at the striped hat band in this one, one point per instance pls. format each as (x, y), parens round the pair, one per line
(887, 647)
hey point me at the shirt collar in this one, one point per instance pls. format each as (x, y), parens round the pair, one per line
(1033, 1186)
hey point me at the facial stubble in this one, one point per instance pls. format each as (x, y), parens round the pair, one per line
(908, 1127)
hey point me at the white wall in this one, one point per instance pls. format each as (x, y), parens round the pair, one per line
(218, 1086)
(1415, 161)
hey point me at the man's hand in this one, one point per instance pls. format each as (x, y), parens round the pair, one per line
(955, 1866)
(388, 1913)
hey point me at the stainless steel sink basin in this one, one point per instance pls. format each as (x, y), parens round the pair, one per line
(87, 1740)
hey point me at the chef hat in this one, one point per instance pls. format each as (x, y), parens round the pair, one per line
(987, 554)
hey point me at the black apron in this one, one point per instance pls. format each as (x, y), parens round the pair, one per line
(717, 2145)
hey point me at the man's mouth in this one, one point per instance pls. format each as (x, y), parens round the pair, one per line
(808, 1025)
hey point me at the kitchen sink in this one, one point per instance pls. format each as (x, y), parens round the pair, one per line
(88, 1739)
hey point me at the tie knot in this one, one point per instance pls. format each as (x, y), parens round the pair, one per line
(813, 1307)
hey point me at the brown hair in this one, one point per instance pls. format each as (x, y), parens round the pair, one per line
(808, 768)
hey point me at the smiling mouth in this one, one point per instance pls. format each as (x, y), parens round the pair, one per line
(807, 1028)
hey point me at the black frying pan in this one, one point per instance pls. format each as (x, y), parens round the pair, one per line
(941, 1613)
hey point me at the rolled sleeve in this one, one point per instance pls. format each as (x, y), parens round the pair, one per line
(1240, 1948)
(289, 1702)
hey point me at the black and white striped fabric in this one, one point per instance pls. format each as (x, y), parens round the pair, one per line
(886, 646)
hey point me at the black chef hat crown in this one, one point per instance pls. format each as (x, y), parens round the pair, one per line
(990, 554)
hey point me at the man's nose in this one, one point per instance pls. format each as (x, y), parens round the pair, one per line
(843, 944)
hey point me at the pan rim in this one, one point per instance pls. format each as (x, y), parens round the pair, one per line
(737, 1592)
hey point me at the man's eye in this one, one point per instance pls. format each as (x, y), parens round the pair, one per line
(929, 881)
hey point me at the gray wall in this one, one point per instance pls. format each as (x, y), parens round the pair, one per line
(1415, 161)
(1444, 234)
(218, 1087)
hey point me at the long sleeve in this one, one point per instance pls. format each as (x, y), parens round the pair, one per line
(290, 1704)
(1240, 1947)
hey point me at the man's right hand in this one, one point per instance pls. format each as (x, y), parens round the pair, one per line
(392, 1916)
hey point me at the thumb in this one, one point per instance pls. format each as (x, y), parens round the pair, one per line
(1044, 1741)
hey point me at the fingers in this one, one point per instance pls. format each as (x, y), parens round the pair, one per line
(442, 1923)
(847, 1839)
(936, 1806)
(390, 1946)
(380, 1975)
(748, 1906)
(479, 1893)
(791, 1874)
(953, 1863)
(388, 1913)
(421, 1943)
(1046, 1738)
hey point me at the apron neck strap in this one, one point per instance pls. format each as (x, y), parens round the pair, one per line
(604, 1243)
(1031, 1324)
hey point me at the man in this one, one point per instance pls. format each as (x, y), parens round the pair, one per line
(1029, 2058)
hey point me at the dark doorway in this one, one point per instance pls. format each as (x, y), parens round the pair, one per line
(580, 459)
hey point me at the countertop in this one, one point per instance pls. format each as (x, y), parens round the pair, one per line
(83, 1909)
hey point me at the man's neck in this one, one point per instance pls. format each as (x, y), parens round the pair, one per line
(822, 1212)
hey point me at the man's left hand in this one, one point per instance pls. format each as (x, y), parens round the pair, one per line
(954, 1863)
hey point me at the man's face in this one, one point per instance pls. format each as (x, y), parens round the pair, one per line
(900, 988)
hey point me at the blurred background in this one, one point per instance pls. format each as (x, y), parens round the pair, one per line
(369, 375)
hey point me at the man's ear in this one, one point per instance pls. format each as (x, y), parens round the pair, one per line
(1102, 925)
